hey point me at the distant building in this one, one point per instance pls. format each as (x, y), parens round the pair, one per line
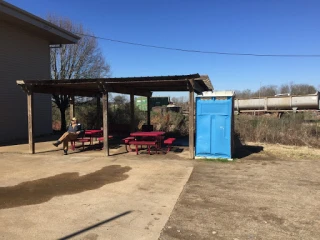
(25, 41)
(159, 101)
(173, 108)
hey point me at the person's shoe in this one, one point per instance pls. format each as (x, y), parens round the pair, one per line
(56, 144)
(65, 152)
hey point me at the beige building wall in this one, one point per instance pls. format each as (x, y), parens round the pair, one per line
(22, 56)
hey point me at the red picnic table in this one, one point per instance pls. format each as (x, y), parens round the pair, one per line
(145, 138)
(93, 133)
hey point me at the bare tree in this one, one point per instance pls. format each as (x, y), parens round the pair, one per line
(285, 88)
(301, 89)
(243, 94)
(75, 61)
(266, 91)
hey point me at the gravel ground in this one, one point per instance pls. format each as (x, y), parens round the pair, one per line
(264, 195)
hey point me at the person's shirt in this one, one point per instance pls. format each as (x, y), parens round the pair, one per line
(74, 128)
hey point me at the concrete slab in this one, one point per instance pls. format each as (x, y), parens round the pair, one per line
(42, 145)
(121, 197)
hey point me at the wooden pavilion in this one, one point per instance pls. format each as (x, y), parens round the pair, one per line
(100, 88)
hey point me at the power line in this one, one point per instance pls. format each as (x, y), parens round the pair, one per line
(205, 52)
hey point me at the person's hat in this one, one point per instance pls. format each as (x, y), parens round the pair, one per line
(73, 119)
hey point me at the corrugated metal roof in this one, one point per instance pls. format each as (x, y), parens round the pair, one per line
(136, 85)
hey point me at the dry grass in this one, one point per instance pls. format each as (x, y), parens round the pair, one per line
(170, 122)
(292, 129)
(285, 152)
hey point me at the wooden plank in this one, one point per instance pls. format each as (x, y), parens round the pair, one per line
(105, 104)
(148, 111)
(128, 90)
(91, 93)
(72, 107)
(30, 122)
(98, 121)
(65, 91)
(132, 112)
(191, 123)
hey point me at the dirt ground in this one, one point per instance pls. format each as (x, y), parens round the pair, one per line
(268, 192)
(87, 196)
(271, 192)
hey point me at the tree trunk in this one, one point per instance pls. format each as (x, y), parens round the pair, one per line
(63, 119)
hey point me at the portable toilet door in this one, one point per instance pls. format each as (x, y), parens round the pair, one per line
(214, 125)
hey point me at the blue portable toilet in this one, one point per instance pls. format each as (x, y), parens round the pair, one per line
(214, 125)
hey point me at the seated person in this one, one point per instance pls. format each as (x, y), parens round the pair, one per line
(72, 133)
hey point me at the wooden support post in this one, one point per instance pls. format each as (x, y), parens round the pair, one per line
(98, 120)
(132, 112)
(148, 111)
(72, 106)
(191, 123)
(30, 122)
(105, 123)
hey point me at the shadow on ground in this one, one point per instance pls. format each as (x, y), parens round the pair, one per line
(45, 138)
(246, 150)
(242, 150)
(94, 236)
(42, 190)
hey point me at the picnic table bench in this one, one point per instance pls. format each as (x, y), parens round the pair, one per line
(91, 133)
(149, 139)
(169, 142)
(143, 142)
(82, 140)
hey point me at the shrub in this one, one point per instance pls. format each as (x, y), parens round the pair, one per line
(170, 122)
(291, 129)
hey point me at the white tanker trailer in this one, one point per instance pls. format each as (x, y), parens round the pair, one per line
(303, 102)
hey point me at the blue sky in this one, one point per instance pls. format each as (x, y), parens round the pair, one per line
(245, 26)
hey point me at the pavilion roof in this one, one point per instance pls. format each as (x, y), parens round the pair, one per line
(143, 86)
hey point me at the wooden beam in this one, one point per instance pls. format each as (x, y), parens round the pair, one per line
(104, 87)
(105, 123)
(132, 112)
(191, 123)
(30, 122)
(129, 90)
(64, 91)
(148, 111)
(196, 86)
(72, 107)
(98, 113)
(170, 88)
